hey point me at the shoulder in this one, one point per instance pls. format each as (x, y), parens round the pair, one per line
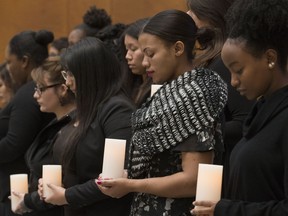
(24, 97)
(118, 101)
(218, 66)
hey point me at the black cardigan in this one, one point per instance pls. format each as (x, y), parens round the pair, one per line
(39, 154)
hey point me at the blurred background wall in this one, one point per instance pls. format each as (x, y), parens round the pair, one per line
(60, 16)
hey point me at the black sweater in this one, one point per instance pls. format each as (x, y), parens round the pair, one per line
(259, 162)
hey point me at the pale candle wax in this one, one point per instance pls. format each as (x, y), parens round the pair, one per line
(18, 183)
(51, 174)
(114, 157)
(209, 182)
(154, 88)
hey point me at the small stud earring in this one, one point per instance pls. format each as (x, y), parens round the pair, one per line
(271, 65)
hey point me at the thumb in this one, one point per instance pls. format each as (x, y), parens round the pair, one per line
(202, 203)
(16, 194)
(51, 186)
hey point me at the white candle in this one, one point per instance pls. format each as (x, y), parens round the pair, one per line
(154, 88)
(51, 174)
(18, 183)
(114, 157)
(209, 182)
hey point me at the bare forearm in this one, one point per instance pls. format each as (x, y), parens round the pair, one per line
(178, 185)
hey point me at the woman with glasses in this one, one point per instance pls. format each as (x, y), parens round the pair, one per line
(103, 111)
(21, 119)
(53, 96)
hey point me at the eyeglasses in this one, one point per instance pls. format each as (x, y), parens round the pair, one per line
(66, 74)
(40, 90)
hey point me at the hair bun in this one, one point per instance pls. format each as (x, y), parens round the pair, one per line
(44, 37)
(96, 18)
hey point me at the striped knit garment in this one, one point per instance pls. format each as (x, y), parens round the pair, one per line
(189, 105)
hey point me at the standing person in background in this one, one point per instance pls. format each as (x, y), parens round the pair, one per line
(209, 14)
(110, 35)
(7, 89)
(137, 79)
(93, 20)
(177, 128)
(53, 96)
(21, 119)
(103, 111)
(57, 46)
(256, 54)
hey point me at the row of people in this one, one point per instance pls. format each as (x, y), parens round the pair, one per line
(102, 109)
(166, 144)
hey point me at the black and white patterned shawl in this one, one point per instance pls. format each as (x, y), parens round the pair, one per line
(187, 106)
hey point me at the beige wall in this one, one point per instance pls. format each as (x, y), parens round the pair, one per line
(60, 16)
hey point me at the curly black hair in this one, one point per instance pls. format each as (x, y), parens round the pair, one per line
(96, 18)
(261, 24)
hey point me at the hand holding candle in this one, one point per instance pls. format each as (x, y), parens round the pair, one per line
(51, 174)
(19, 184)
(114, 157)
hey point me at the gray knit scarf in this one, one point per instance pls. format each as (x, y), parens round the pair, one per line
(189, 105)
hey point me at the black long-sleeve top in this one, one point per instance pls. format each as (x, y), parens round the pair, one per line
(258, 183)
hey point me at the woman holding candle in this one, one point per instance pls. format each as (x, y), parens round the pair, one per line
(53, 96)
(172, 132)
(21, 119)
(103, 111)
(256, 54)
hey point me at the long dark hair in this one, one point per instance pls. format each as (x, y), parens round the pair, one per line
(98, 77)
(212, 12)
(137, 88)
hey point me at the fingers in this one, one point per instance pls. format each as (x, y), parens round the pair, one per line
(40, 182)
(105, 182)
(203, 203)
(125, 173)
(40, 189)
(203, 208)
